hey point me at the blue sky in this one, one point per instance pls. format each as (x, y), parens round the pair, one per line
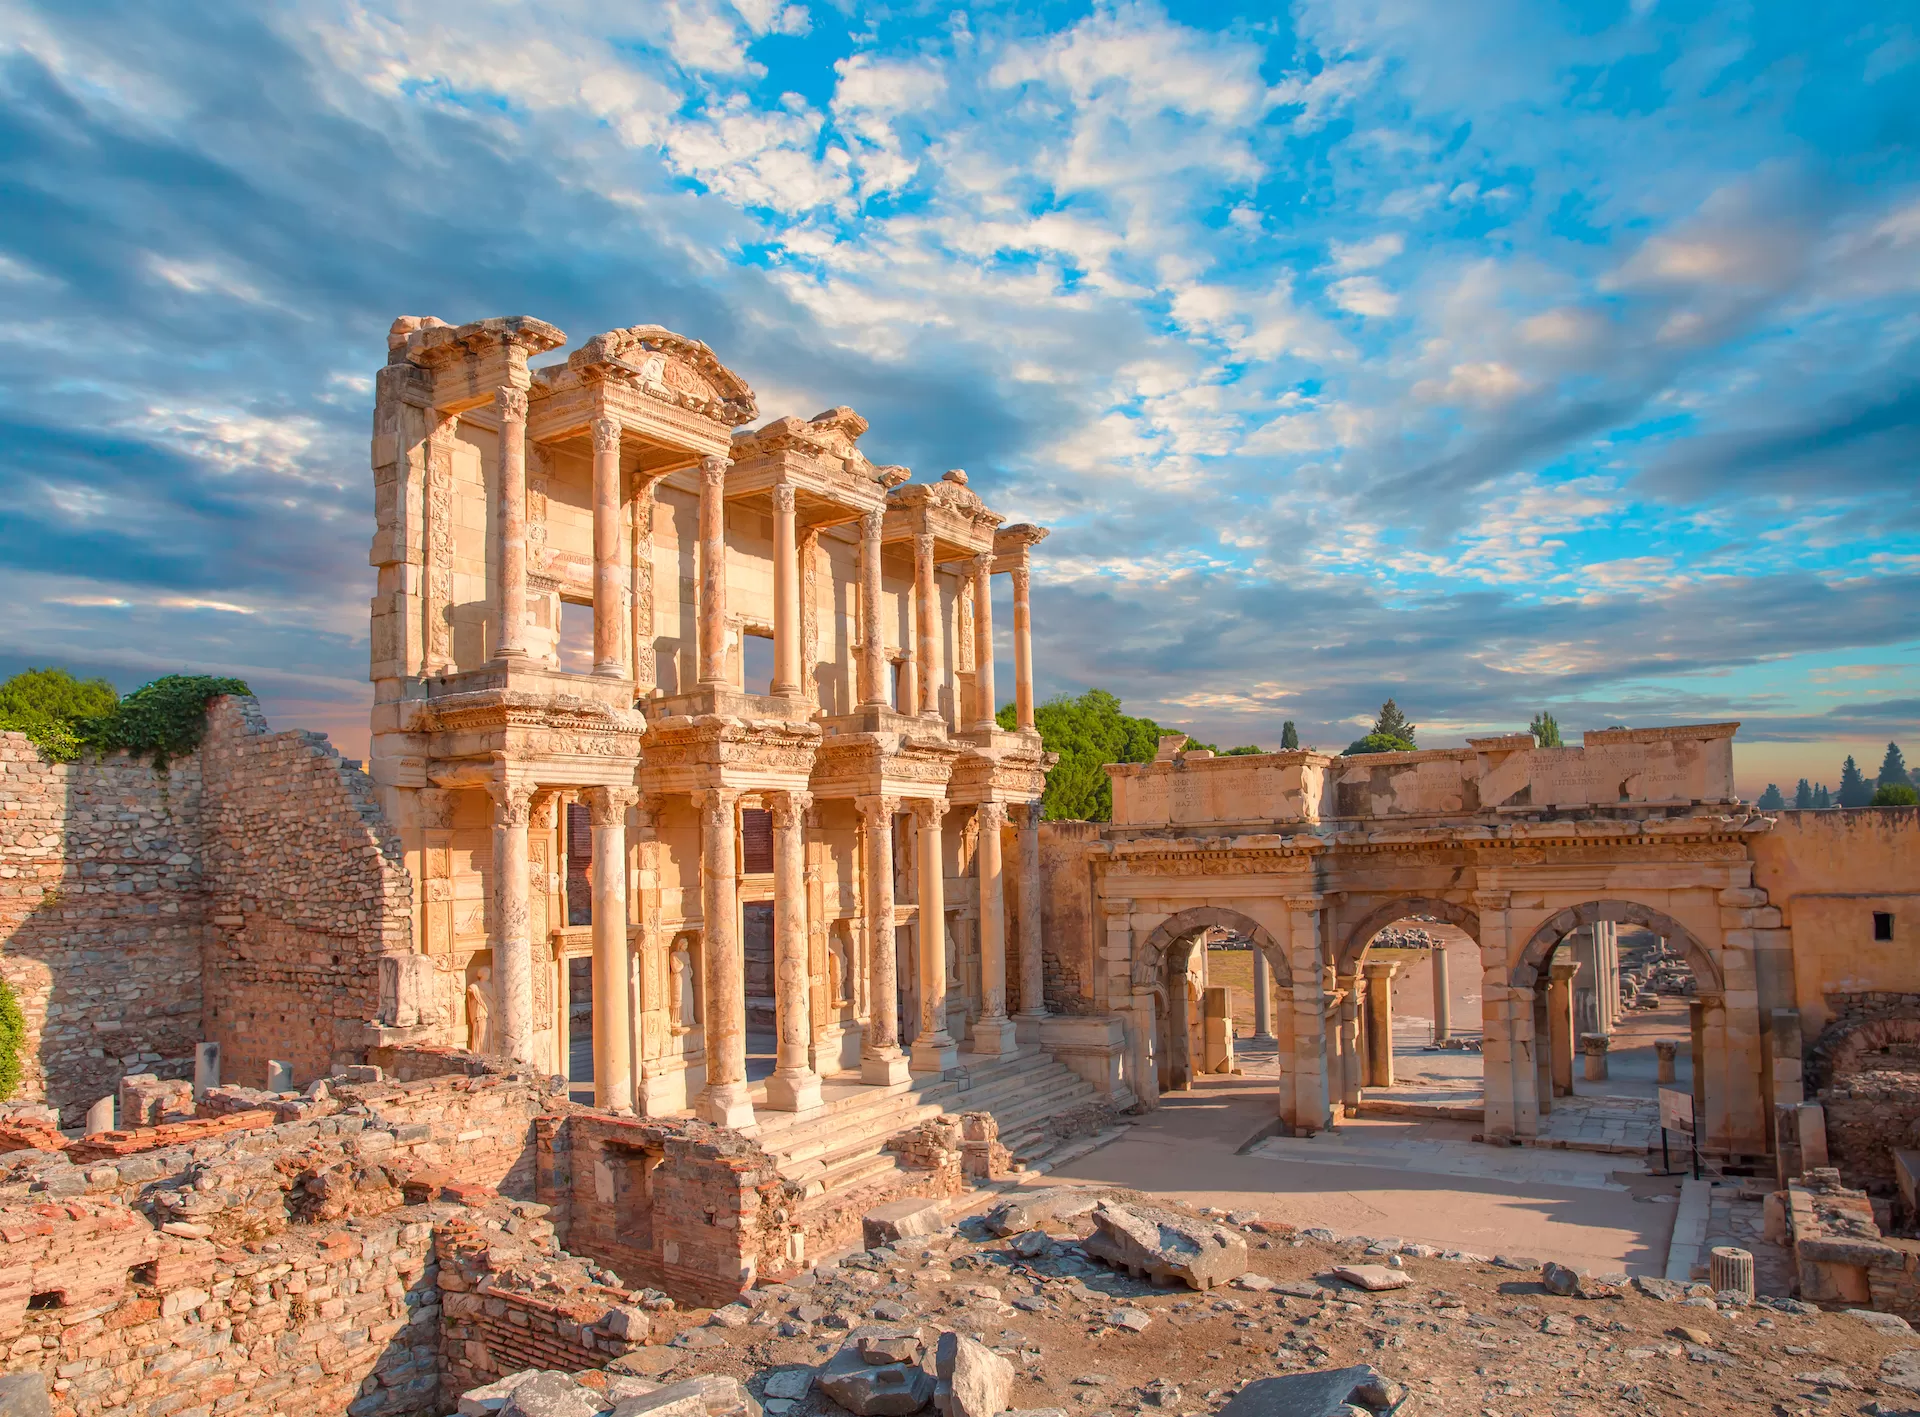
(1495, 356)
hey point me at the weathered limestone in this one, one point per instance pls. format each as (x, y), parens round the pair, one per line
(882, 1062)
(512, 951)
(510, 407)
(1262, 999)
(1560, 1026)
(993, 1032)
(983, 642)
(1665, 1051)
(1033, 983)
(1442, 995)
(934, 1049)
(794, 1086)
(724, 1101)
(613, 1080)
(1165, 1245)
(609, 565)
(1379, 1025)
(714, 634)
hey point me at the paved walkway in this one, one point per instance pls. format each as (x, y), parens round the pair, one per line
(1411, 1179)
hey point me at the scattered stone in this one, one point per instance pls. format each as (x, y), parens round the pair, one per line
(1330, 1392)
(1902, 1369)
(1038, 1209)
(24, 1395)
(890, 1311)
(730, 1316)
(889, 1390)
(1835, 1378)
(1321, 1234)
(547, 1394)
(1558, 1278)
(1886, 1323)
(1032, 1244)
(878, 1345)
(1557, 1324)
(1161, 1392)
(485, 1401)
(1166, 1245)
(899, 1220)
(1517, 1262)
(647, 1362)
(1133, 1320)
(1242, 1217)
(1256, 1282)
(1372, 1277)
(971, 1379)
(1692, 1335)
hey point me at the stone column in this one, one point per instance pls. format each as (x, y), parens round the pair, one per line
(1594, 1047)
(1442, 996)
(1023, 652)
(646, 672)
(983, 641)
(612, 1022)
(934, 1050)
(1352, 1064)
(786, 596)
(1664, 1051)
(512, 952)
(1033, 978)
(1379, 1022)
(609, 566)
(713, 573)
(993, 1032)
(873, 688)
(724, 1102)
(926, 626)
(881, 1061)
(794, 1086)
(511, 405)
(1560, 1025)
(1262, 998)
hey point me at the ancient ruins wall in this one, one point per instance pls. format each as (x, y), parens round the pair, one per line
(306, 889)
(100, 918)
(1828, 872)
(1067, 936)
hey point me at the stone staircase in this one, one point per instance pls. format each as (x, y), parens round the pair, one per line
(843, 1145)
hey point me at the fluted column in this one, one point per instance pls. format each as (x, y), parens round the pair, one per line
(612, 1022)
(786, 596)
(511, 405)
(610, 625)
(873, 691)
(934, 1050)
(1033, 982)
(724, 1102)
(993, 1031)
(713, 572)
(794, 1086)
(512, 951)
(1022, 648)
(926, 626)
(983, 640)
(881, 1060)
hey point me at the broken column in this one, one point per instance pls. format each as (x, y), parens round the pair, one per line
(1594, 1048)
(1664, 1051)
(1379, 1005)
(206, 1068)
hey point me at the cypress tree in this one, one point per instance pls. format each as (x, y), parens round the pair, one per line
(1803, 795)
(1893, 769)
(1854, 789)
(1289, 737)
(1771, 800)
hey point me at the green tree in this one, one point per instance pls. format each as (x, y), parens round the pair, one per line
(1822, 798)
(1893, 769)
(1854, 791)
(1771, 800)
(13, 1035)
(1803, 795)
(1242, 752)
(1895, 794)
(1289, 737)
(1088, 733)
(1546, 730)
(1391, 734)
(57, 711)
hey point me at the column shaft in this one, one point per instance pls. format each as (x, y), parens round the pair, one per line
(1262, 997)
(881, 1060)
(794, 1086)
(1442, 996)
(713, 572)
(934, 1050)
(873, 687)
(1351, 1063)
(612, 1023)
(512, 952)
(786, 596)
(992, 1032)
(511, 404)
(1560, 1027)
(926, 626)
(610, 625)
(983, 641)
(724, 1102)
(1033, 981)
(1023, 650)
(1380, 1024)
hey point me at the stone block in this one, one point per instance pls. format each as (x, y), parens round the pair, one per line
(1165, 1245)
(1331, 1392)
(24, 1395)
(971, 1380)
(866, 1390)
(900, 1220)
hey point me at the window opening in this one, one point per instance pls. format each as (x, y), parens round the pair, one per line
(576, 636)
(1883, 924)
(756, 663)
(579, 864)
(756, 841)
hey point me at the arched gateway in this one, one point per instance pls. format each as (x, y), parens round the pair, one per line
(1502, 840)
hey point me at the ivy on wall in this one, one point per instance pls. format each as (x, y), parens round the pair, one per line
(67, 717)
(13, 1033)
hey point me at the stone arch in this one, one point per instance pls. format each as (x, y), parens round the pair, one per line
(1149, 961)
(1399, 908)
(1847, 1047)
(1706, 970)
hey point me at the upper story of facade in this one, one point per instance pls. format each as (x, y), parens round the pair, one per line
(595, 543)
(1632, 772)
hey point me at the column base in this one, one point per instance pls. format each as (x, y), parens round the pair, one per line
(993, 1037)
(1026, 1026)
(1262, 1040)
(725, 1104)
(794, 1090)
(887, 1069)
(935, 1053)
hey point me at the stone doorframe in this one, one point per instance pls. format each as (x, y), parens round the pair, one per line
(1171, 943)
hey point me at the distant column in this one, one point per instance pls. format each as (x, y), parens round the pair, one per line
(511, 405)
(873, 645)
(993, 1032)
(881, 1061)
(512, 951)
(1023, 651)
(724, 1101)
(1262, 998)
(610, 619)
(713, 572)
(926, 625)
(1560, 1025)
(612, 1027)
(934, 1050)
(983, 694)
(1442, 995)
(786, 595)
(794, 1086)
(1033, 981)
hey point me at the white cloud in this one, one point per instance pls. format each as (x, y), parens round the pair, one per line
(1488, 383)
(1366, 254)
(1364, 295)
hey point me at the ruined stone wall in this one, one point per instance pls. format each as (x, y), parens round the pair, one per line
(1871, 1114)
(306, 888)
(100, 918)
(1068, 928)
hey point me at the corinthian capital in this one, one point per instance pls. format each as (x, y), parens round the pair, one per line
(783, 497)
(512, 404)
(713, 471)
(606, 435)
(788, 808)
(512, 803)
(878, 811)
(607, 806)
(871, 521)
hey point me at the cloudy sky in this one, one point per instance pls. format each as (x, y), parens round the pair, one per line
(1497, 356)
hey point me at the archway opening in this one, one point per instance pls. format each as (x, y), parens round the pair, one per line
(1409, 1023)
(1200, 969)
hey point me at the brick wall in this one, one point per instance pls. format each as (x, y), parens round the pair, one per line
(1068, 925)
(101, 919)
(306, 888)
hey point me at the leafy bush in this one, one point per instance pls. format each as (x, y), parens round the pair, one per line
(54, 709)
(1391, 734)
(66, 717)
(1895, 794)
(13, 1034)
